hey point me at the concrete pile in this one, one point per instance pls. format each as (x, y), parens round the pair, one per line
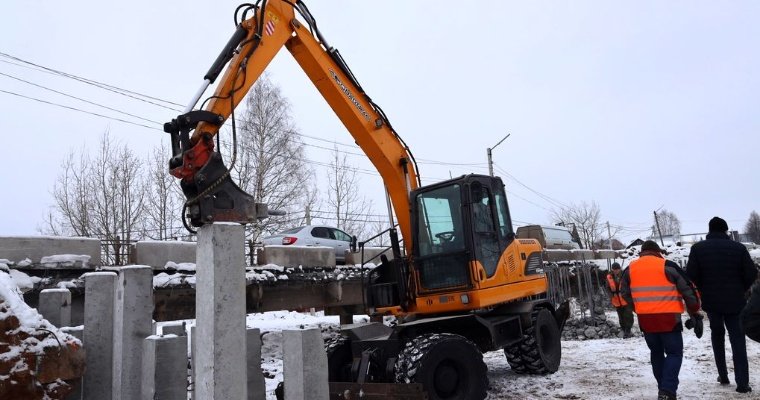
(38, 359)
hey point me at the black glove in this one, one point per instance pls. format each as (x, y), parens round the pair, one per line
(695, 321)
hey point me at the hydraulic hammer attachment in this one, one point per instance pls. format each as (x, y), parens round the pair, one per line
(211, 194)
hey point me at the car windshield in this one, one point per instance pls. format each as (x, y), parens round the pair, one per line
(293, 230)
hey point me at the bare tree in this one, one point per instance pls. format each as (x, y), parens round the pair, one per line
(752, 227)
(587, 220)
(270, 159)
(670, 225)
(99, 197)
(349, 209)
(118, 189)
(163, 203)
(70, 215)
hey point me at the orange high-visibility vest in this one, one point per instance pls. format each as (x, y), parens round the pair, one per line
(617, 299)
(651, 290)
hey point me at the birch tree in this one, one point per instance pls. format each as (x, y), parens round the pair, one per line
(350, 211)
(587, 220)
(270, 163)
(163, 200)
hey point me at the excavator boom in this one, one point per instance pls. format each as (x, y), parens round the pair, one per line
(271, 26)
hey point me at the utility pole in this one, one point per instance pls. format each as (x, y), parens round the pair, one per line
(659, 232)
(308, 215)
(490, 162)
(609, 234)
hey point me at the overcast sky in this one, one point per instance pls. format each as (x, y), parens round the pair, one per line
(634, 105)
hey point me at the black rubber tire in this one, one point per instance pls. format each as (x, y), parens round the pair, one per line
(448, 366)
(339, 359)
(540, 350)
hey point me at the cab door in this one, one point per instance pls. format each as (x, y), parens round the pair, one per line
(487, 247)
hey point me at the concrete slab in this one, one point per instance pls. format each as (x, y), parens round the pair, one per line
(582, 254)
(158, 253)
(295, 256)
(554, 255)
(605, 254)
(370, 253)
(34, 248)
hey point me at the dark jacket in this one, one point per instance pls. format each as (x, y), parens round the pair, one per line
(751, 315)
(665, 322)
(723, 272)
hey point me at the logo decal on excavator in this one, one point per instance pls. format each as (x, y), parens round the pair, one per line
(350, 96)
(269, 26)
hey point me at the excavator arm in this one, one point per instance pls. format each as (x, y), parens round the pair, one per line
(211, 194)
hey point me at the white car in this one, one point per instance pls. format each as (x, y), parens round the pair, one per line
(314, 235)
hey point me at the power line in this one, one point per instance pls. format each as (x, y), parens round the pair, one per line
(127, 92)
(548, 199)
(78, 98)
(79, 110)
(104, 86)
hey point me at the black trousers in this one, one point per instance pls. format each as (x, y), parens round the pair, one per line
(719, 323)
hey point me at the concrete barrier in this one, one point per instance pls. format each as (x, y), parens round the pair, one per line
(158, 253)
(295, 256)
(605, 254)
(370, 253)
(554, 255)
(34, 248)
(55, 306)
(582, 254)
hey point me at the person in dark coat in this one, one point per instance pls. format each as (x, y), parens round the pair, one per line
(723, 271)
(751, 314)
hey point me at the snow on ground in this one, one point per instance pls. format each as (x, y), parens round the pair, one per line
(591, 369)
(620, 368)
(755, 255)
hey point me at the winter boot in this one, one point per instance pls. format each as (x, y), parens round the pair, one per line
(723, 380)
(744, 389)
(627, 333)
(665, 395)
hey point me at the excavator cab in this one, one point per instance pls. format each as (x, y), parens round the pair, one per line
(456, 224)
(459, 222)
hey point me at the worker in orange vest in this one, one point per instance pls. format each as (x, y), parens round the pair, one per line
(623, 308)
(658, 289)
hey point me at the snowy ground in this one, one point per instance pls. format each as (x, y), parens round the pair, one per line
(591, 369)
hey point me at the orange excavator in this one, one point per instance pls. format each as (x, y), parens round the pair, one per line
(462, 284)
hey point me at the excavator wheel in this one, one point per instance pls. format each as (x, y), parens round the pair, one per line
(448, 366)
(339, 359)
(540, 350)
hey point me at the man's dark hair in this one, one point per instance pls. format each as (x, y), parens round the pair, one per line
(650, 245)
(718, 224)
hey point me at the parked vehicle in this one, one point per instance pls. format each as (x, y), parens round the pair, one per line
(550, 237)
(314, 235)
